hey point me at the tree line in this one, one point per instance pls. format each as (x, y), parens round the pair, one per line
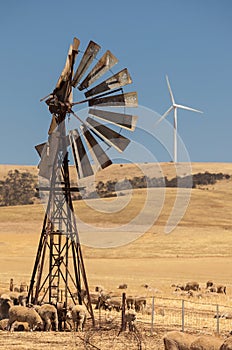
(18, 188)
(108, 189)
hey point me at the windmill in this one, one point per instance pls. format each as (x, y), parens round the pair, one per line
(59, 272)
(174, 107)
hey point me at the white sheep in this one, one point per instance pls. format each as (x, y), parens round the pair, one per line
(130, 319)
(77, 314)
(49, 315)
(24, 314)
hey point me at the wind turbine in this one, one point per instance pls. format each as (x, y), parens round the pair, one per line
(174, 107)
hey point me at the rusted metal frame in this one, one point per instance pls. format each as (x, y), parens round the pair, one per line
(37, 260)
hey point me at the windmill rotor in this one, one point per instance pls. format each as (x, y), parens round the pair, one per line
(107, 93)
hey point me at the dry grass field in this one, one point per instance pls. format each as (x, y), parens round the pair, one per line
(199, 248)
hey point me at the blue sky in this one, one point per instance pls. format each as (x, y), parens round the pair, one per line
(188, 40)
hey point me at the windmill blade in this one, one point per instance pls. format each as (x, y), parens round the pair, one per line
(128, 99)
(39, 148)
(188, 108)
(98, 154)
(164, 115)
(108, 135)
(63, 87)
(106, 62)
(81, 159)
(126, 121)
(88, 57)
(118, 80)
(48, 155)
(170, 90)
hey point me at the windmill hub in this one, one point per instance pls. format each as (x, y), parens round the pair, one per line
(58, 107)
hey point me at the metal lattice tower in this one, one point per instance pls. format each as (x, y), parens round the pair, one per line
(59, 272)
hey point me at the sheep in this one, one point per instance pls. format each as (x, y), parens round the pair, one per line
(175, 340)
(227, 345)
(140, 304)
(77, 313)
(130, 302)
(192, 286)
(22, 298)
(24, 314)
(3, 324)
(221, 289)
(122, 286)
(209, 284)
(49, 315)
(5, 305)
(130, 319)
(99, 289)
(21, 326)
(113, 303)
(14, 297)
(206, 342)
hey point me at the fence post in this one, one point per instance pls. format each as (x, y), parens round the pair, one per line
(152, 314)
(123, 324)
(182, 320)
(217, 313)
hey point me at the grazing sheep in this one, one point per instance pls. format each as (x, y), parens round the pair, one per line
(175, 340)
(221, 289)
(227, 345)
(130, 319)
(130, 302)
(114, 303)
(122, 286)
(14, 297)
(99, 289)
(5, 305)
(23, 287)
(209, 284)
(62, 318)
(140, 304)
(49, 315)
(192, 286)
(3, 324)
(206, 342)
(22, 298)
(77, 313)
(24, 314)
(94, 297)
(21, 326)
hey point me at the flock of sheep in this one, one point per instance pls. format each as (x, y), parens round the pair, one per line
(192, 287)
(16, 315)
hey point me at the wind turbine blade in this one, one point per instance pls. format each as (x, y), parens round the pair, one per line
(170, 90)
(164, 115)
(188, 108)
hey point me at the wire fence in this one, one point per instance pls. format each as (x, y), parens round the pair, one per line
(187, 315)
